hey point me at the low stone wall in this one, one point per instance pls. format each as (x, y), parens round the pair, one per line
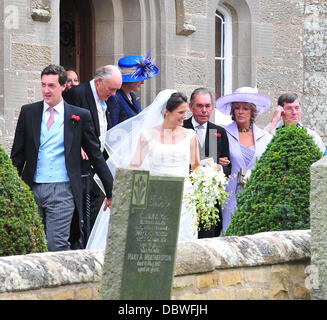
(270, 265)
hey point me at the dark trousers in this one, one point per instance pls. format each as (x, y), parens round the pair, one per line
(92, 195)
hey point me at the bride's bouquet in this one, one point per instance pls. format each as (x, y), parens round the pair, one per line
(209, 188)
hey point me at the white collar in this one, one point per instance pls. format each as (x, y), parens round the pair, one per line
(196, 124)
(102, 103)
(59, 108)
(94, 91)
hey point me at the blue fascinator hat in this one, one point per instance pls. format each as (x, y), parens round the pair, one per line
(137, 68)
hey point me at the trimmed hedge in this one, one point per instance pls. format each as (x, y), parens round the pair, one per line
(276, 196)
(21, 228)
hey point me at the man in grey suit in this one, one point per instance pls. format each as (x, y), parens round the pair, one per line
(47, 154)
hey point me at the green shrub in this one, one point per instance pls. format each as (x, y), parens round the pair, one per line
(21, 229)
(276, 196)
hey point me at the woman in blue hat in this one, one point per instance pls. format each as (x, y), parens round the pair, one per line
(135, 69)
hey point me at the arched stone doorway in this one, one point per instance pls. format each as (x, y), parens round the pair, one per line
(94, 33)
(77, 40)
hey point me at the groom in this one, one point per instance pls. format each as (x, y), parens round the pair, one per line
(213, 141)
(47, 154)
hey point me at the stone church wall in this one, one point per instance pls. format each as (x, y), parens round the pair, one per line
(315, 66)
(278, 46)
(27, 46)
(265, 266)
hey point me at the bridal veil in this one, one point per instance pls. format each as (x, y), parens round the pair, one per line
(121, 141)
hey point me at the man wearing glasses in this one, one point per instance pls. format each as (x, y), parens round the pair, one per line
(289, 111)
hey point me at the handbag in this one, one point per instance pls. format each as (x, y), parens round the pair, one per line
(242, 176)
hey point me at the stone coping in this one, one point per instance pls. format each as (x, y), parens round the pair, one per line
(41, 270)
(266, 248)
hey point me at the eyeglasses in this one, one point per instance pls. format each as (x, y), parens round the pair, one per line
(292, 109)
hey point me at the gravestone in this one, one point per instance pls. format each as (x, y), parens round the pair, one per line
(318, 223)
(142, 237)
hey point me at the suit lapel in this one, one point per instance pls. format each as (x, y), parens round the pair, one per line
(36, 125)
(68, 129)
(127, 101)
(131, 108)
(206, 141)
(109, 123)
(210, 128)
(188, 123)
(232, 129)
(135, 104)
(93, 108)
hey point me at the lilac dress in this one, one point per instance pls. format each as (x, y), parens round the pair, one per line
(241, 157)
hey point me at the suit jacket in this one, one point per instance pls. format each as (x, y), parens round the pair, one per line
(82, 96)
(121, 108)
(216, 142)
(24, 153)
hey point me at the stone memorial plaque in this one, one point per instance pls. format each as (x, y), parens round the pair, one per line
(143, 267)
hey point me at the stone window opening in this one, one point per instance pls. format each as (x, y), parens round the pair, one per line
(223, 52)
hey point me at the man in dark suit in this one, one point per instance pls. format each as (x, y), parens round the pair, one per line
(47, 154)
(93, 95)
(213, 141)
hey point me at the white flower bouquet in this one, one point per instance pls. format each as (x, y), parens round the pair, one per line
(209, 184)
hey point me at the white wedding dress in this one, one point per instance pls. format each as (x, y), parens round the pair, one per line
(163, 159)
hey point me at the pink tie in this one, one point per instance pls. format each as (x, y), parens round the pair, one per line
(51, 118)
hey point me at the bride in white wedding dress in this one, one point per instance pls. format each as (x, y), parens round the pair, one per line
(166, 148)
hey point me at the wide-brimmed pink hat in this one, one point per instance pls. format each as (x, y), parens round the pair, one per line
(243, 94)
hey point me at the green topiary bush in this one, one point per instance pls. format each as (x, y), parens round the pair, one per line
(277, 194)
(21, 228)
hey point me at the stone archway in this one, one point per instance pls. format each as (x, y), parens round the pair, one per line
(107, 24)
(126, 27)
(101, 32)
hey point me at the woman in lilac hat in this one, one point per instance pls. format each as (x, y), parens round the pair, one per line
(247, 142)
(135, 69)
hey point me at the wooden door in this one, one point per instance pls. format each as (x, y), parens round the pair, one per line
(77, 45)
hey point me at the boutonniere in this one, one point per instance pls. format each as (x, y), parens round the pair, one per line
(75, 119)
(218, 135)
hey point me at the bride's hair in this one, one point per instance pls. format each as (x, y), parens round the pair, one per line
(175, 100)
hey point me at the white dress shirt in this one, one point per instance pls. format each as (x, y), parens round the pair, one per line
(101, 108)
(59, 108)
(201, 132)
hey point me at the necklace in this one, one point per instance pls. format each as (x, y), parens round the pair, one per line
(246, 130)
